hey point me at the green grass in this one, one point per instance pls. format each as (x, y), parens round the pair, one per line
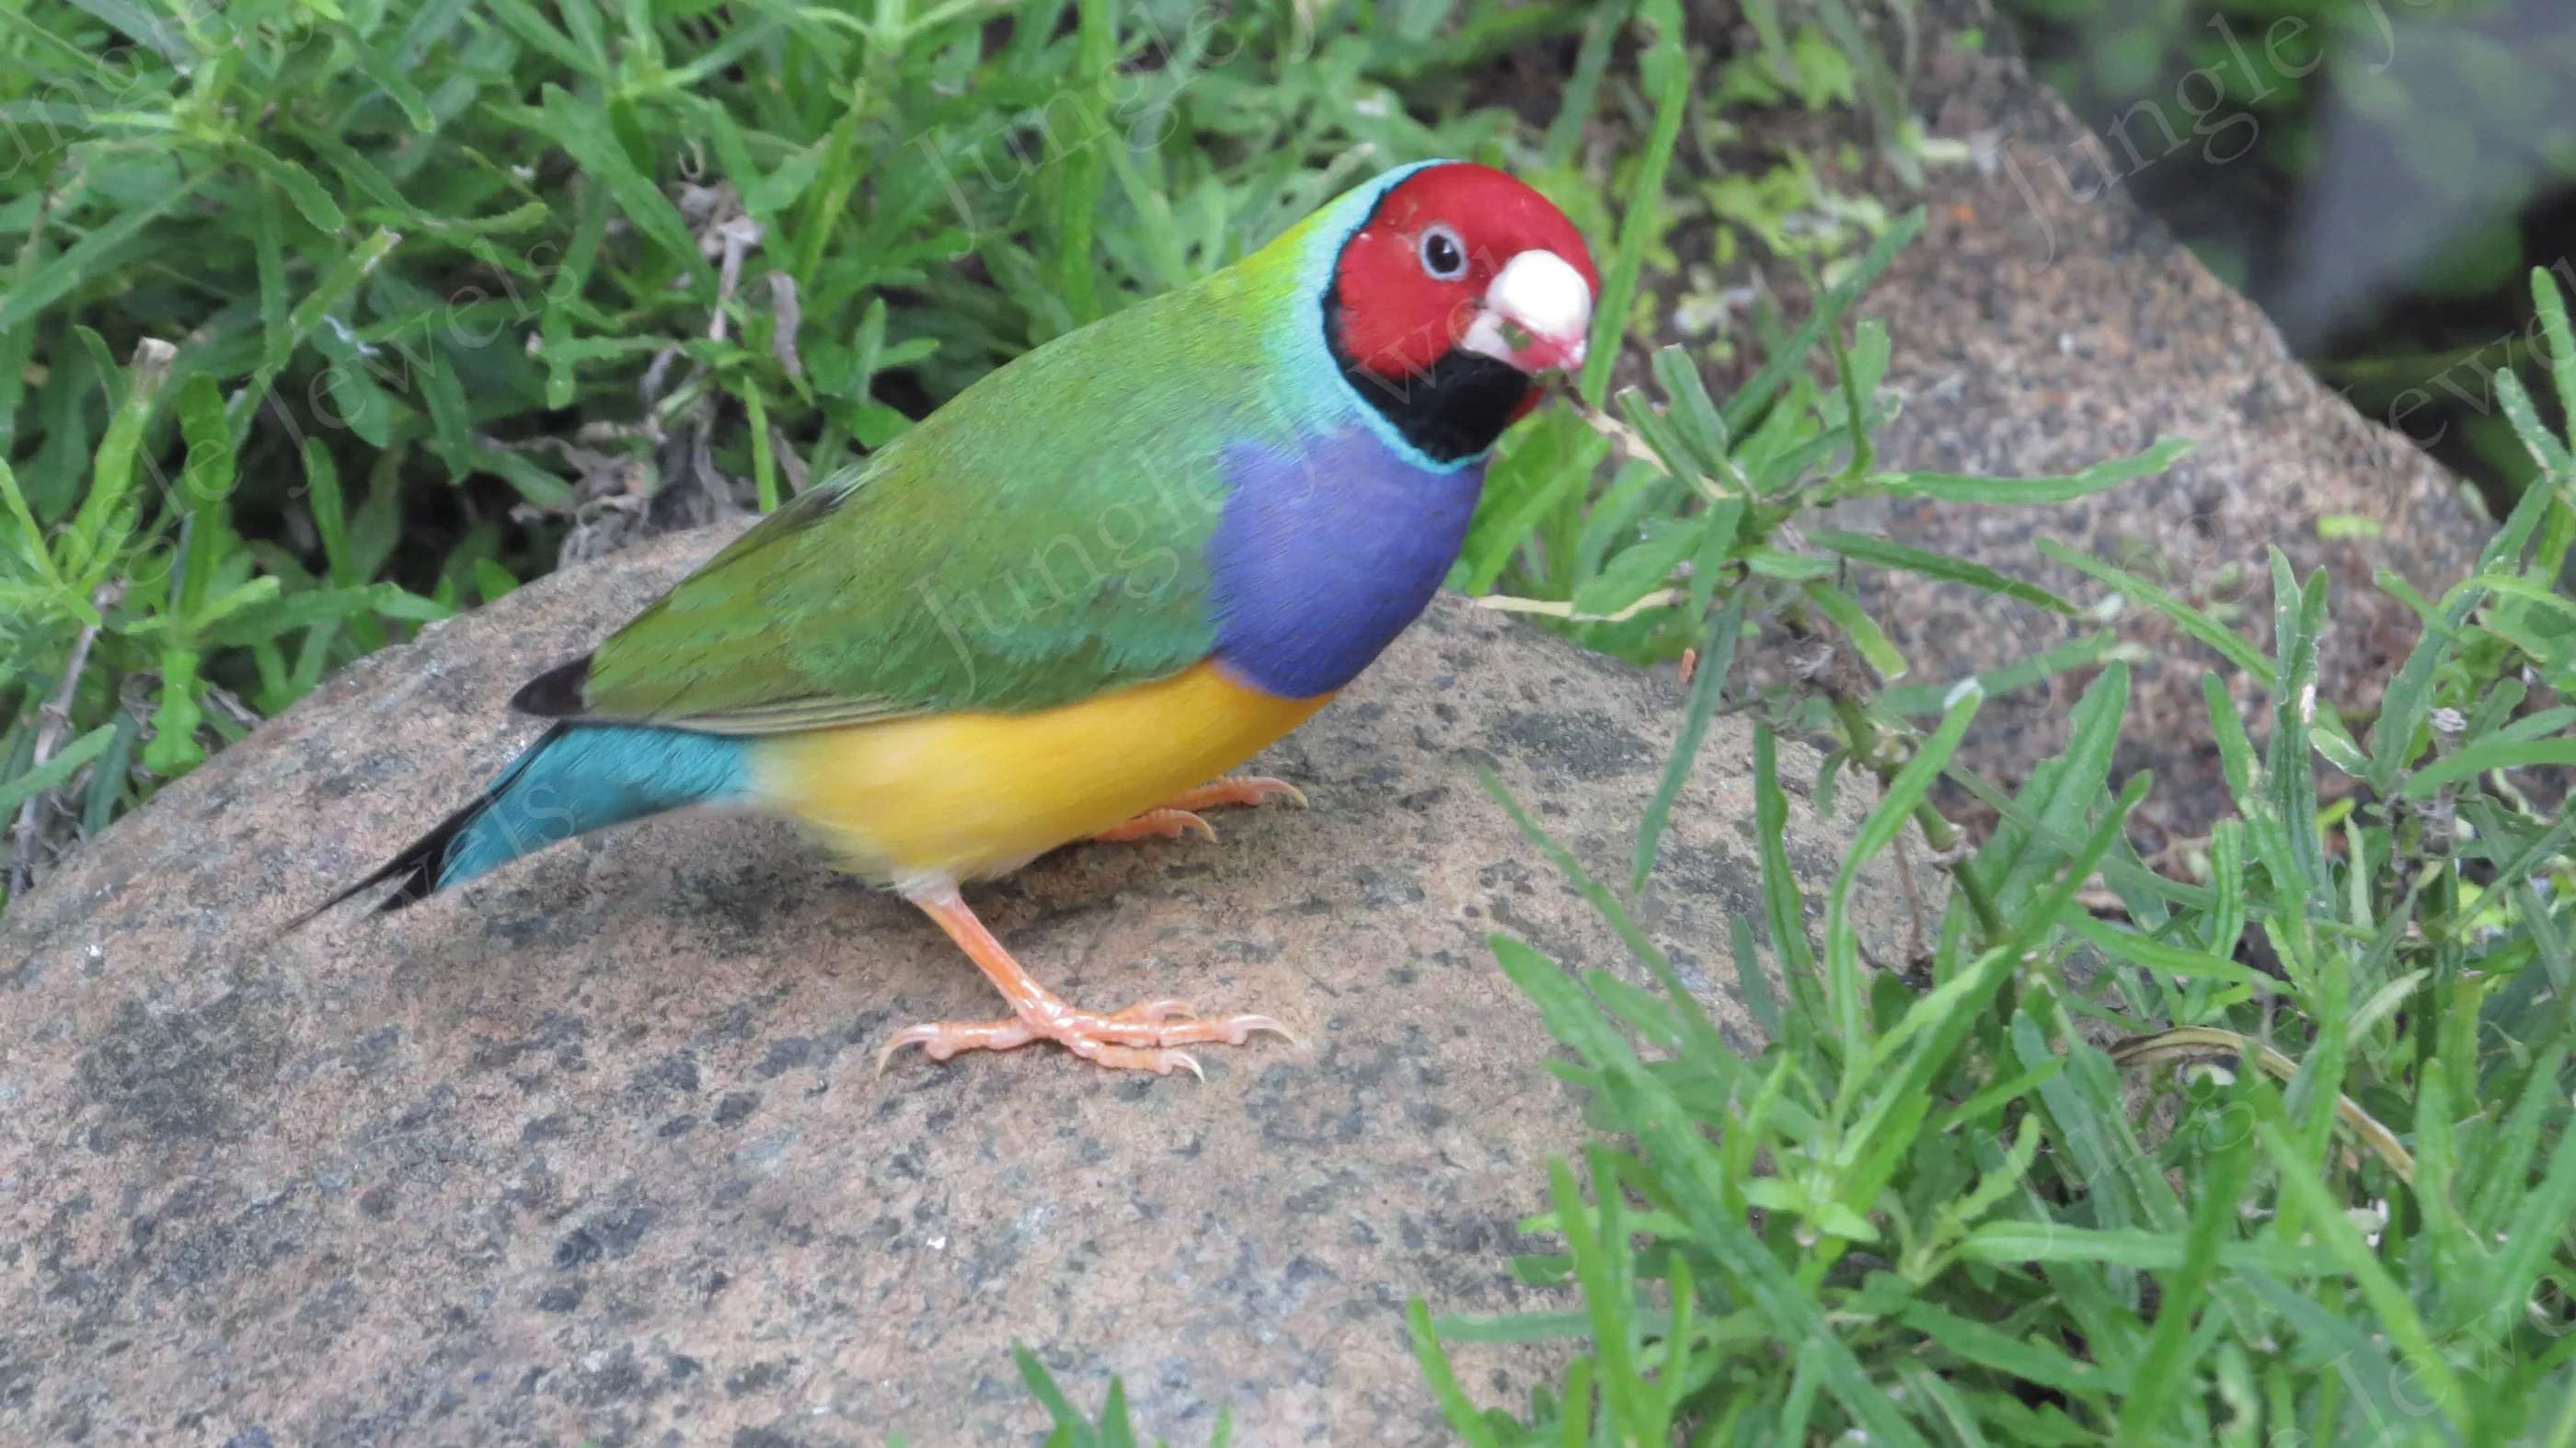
(2101, 1177)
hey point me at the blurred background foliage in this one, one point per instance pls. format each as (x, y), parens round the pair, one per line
(2378, 175)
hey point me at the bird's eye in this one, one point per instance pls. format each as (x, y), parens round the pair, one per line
(1443, 255)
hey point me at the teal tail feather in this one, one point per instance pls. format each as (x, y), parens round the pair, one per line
(577, 778)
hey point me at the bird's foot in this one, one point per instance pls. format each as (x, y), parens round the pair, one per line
(1143, 1037)
(1140, 1038)
(1158, 824)
(1238, 789)
(1179, 816)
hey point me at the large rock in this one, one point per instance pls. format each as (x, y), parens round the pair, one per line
(593, 1152)
(2045, 322)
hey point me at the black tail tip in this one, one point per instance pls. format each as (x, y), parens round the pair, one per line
(414, 872)
(558, 693)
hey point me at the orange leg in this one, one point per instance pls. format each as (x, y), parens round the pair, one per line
(1139, 1038)
(1178, 817)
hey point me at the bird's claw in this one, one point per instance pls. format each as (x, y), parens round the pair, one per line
(1158, 824)
(1138, 1038)
(1249, 789)
(1180, 816)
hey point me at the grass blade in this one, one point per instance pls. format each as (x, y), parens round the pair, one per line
(2167, 1359)
(1844, 992)
(2552, 311)
(2143, 1251)
(2539, 1228)
(2060, 792)
(1866, 637)
(2324, 1216)
(92, 256)
(2102, 476)
(1574, 112)
(588, 137)
(1749, 978)
(1754, 397)
(2169, 962)
(2031, 1362)
(54, 771)
(1940, 567)
(2477, 759)
(1782, 904)
(1916, 700)
(2191, 620)
(1708, 686)
(1469, 1424)
(2545, 449)
(1642, 222)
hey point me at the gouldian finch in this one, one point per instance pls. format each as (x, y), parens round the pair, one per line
(1103, 575)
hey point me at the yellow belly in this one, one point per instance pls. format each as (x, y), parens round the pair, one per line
(961, 795)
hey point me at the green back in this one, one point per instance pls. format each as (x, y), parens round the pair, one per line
(1038, 540)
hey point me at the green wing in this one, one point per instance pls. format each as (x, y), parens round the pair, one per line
(1040, 539)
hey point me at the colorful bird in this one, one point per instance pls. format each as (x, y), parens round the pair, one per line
(1107, 573)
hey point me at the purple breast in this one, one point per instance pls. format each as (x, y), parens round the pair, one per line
(1321, 557)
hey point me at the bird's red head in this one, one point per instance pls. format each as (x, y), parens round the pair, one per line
(1463, 256)
(1460, 288)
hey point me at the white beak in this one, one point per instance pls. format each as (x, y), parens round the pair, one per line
(1537, 314)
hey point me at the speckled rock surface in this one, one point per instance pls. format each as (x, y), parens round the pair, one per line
(2044, 322)
(592, 1151)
